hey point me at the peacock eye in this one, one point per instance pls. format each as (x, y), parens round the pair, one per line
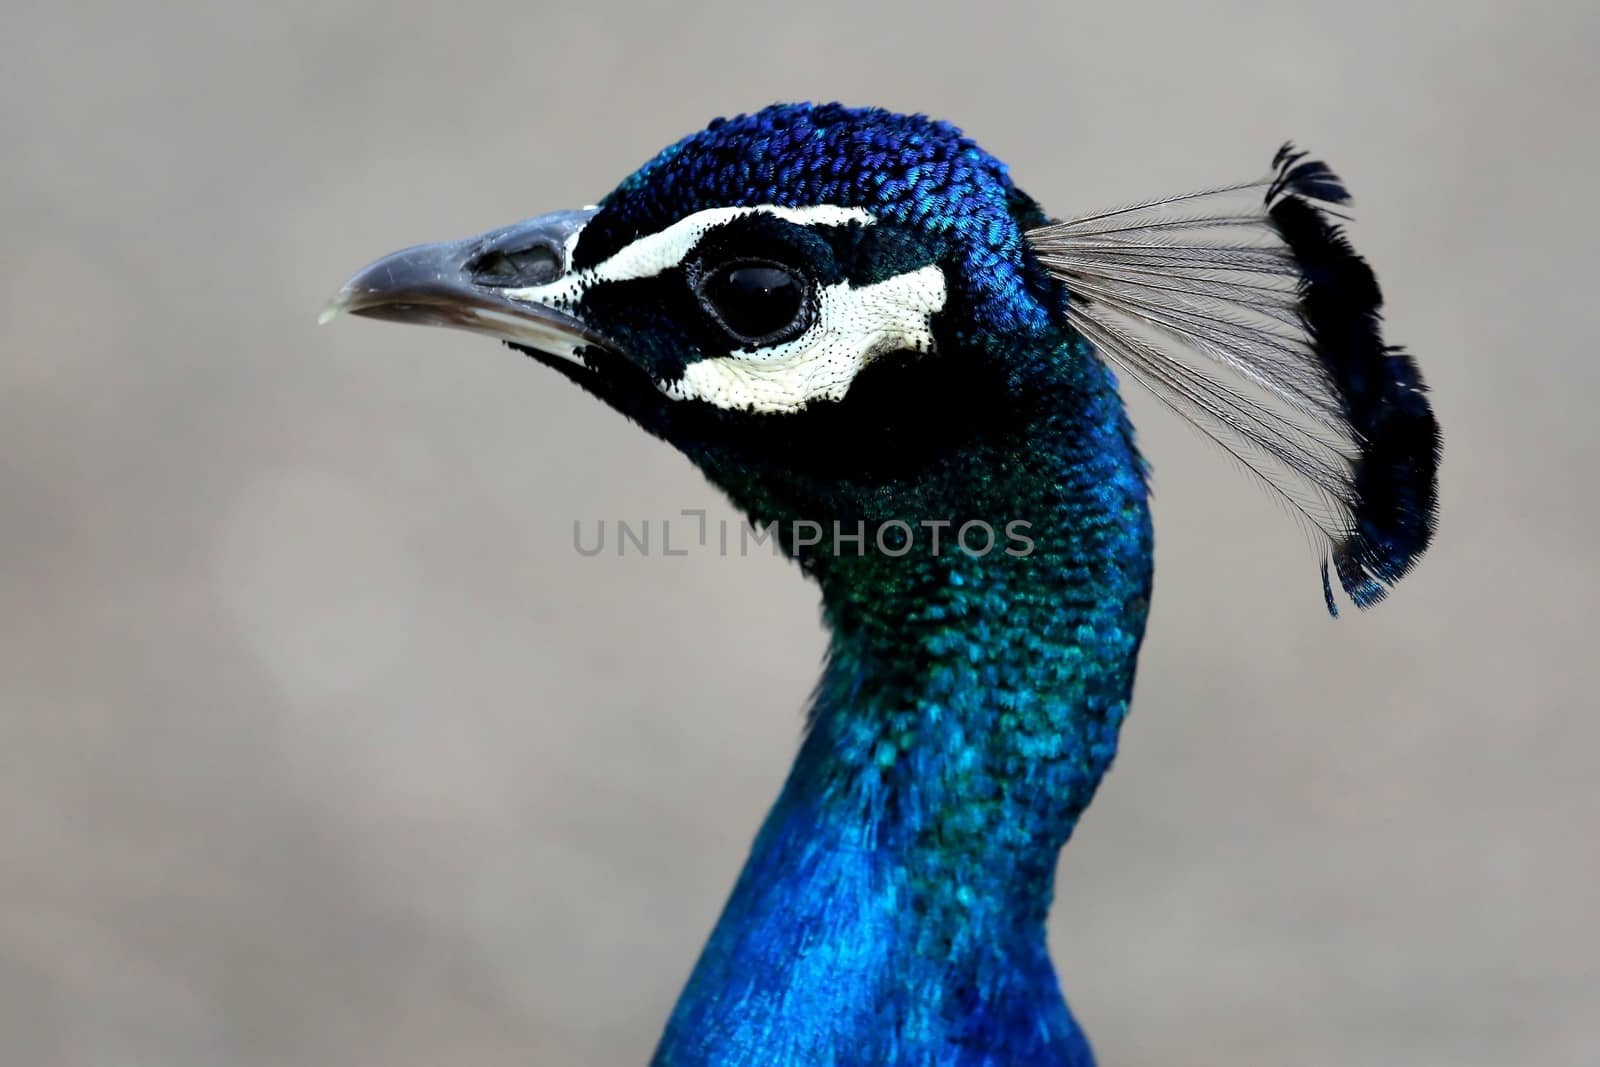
(758, 303)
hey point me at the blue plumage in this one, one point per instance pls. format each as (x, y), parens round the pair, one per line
(919, 173)
(893, 910)
(853, 322)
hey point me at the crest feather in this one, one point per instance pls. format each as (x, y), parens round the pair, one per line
(1257, 279)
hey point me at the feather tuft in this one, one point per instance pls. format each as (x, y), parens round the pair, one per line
(1312, 179)
(1312, 401)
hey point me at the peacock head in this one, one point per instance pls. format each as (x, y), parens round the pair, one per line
(824, 307)
(848, 314)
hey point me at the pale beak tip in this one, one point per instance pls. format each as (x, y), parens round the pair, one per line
(335, 307)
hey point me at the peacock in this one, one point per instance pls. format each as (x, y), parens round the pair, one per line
(891, 358)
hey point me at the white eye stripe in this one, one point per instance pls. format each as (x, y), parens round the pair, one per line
(654, 253)
(853, 326)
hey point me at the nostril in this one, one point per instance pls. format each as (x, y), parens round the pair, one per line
(507, 268)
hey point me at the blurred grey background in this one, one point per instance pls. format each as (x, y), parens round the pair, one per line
(320, 745)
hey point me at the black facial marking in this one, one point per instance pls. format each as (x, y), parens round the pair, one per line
(749, 283)
(658, 321)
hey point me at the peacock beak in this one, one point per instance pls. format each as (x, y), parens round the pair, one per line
(480, 284)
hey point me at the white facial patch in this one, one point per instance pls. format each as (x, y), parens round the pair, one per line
(853, 326)
(657, 252)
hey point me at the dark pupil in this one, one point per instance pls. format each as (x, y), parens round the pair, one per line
(756, 300)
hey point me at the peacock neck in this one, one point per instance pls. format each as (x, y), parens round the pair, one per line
(893, 907)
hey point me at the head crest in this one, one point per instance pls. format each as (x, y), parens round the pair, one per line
(1257, 279)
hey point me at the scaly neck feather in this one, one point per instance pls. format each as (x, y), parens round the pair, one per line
(893, 908)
